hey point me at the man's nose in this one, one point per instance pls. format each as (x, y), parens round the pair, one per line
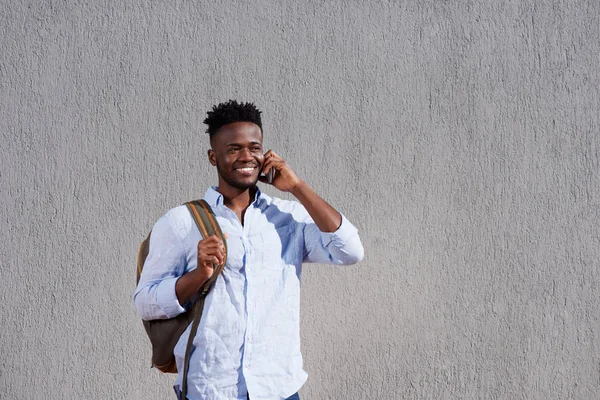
(245, 154)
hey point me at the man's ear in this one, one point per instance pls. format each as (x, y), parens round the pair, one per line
(212, 157)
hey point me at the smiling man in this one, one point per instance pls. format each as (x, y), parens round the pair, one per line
(248, 343)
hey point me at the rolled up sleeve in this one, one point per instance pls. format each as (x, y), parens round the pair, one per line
(155, 296)
(342, 247)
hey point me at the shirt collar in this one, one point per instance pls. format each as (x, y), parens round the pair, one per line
(215, 199)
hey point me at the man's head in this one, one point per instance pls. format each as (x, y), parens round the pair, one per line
(235, 131)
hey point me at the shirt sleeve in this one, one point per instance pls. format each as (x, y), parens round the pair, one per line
(155, 296)
(342, 247)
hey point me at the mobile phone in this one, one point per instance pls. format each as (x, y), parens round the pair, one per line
(270, 175)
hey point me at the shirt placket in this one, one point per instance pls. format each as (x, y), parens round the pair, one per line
(250, 298)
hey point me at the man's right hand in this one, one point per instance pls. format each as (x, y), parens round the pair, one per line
(210, 251)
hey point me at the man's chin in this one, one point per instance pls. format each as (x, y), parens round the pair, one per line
(245, 184)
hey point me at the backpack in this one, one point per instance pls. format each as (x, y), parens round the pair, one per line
(165, 333)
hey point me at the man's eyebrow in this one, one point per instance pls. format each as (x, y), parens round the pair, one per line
(234, 144)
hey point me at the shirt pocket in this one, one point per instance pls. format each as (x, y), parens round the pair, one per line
(278, 247)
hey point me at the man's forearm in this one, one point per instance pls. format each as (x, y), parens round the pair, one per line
(327, 218)
(188, 284)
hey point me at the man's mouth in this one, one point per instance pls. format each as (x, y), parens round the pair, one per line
(246, 170)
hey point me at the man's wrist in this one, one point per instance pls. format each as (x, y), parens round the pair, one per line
(200, 275)
(299, 188)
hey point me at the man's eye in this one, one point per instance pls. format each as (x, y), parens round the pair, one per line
(233, 150)
(256, 150)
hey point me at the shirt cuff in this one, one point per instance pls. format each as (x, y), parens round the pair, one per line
(166, 298)
(343, 234)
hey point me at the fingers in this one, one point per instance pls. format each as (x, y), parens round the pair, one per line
(211, 250)
(283, 177)
(272, 160)
(276, 164)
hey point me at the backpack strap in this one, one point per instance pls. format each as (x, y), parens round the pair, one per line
(208, 226)
(142, 255)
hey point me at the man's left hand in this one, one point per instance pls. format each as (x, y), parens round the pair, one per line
(285, 178)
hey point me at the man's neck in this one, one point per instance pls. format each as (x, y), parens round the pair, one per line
(237, 199)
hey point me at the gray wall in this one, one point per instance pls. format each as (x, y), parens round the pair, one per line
(460, 137)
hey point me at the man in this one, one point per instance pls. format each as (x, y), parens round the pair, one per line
(248, 342)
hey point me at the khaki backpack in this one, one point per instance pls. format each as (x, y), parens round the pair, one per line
(165, 333)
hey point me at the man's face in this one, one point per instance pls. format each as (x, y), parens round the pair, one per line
(238, 154)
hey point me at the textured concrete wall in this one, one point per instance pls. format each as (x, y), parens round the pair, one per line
(461, 137)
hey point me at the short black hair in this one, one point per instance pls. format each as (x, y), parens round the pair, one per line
(232, 111)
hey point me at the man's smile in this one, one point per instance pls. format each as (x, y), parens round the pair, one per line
(247, 170)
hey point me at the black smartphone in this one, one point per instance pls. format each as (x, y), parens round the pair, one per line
(270, 175)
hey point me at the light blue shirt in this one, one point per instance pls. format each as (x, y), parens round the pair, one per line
(249, 337)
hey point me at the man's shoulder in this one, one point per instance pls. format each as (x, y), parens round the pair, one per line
(278, 202)
(282, 206)
(180, 212)
(178, 219)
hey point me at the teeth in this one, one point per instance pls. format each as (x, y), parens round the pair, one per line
(246, 169)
